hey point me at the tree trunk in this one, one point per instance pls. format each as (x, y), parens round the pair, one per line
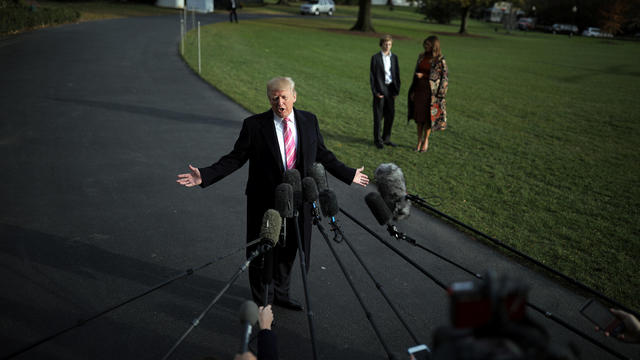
(364, 17)
(283, 2)
(466, 11)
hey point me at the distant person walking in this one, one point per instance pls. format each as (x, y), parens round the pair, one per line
(232, 11)
(384, 76)
(427, 104)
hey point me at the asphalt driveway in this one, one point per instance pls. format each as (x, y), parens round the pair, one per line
(97, 120)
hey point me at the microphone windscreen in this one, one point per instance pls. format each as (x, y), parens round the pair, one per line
(328, 203)
(292, 177)
(320, 176)
(378, 207)
(392, 187)
(248, 312)
(270, 230)
(284, 200)
(309, 189)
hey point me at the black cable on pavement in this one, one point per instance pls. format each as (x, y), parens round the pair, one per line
(418, 200)
(547, 314)
(356, 293)
(82, 322)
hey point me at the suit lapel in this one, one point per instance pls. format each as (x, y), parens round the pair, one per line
(268, 130)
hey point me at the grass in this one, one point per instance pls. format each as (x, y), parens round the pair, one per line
(541, 150)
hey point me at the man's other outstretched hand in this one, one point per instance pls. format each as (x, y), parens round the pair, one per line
(193, 178)
(361, 178)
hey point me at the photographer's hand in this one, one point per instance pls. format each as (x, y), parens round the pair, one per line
(632, 326)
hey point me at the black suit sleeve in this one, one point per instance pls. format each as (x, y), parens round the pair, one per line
(230, 162)
(396, 75)
(373, 77)
(267, 345)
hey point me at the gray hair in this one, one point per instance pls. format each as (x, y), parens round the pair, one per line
(280, 83)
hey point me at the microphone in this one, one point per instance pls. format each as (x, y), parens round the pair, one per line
(284, 200)
(320, 176)
(383, 215)
(310, 195)
(392, 187)
(248, 317)
(270, 230)
(292, 177)
(284, 205)
(378, 207)
(329, 204)
(269, 234)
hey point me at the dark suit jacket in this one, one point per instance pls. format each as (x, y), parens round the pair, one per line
(376, 75)
(258, 144)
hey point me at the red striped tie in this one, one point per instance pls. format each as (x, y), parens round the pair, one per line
(289, 145)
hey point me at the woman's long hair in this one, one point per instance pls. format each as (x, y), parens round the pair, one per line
(432, 47)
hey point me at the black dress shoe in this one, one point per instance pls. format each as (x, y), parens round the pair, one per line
(389, 143)
(288, 304)
(379, 145)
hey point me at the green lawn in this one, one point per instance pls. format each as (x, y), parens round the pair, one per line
(542, 146)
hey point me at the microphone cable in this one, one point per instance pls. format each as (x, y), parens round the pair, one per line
(82, 322)
(546, 314)
(421, 202)
(380, 288)
(356, 293)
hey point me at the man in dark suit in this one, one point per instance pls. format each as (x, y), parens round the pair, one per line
(384, 76)
(273, 142)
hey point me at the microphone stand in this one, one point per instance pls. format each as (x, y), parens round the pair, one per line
(547, 314)
(82, 322)
(393, 231)
(303, 271)
(355, 291)
(379, 287)
(197, 320)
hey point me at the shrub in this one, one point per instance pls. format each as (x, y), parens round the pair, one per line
(16, 18)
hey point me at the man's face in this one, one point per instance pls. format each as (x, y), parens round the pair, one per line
(282, 102)
(386, 46)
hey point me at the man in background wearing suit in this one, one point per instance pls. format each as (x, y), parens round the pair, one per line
(385, 86)
(277, 140)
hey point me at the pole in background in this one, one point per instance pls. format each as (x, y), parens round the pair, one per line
(182, 37)
(199, 61)
(193, 18)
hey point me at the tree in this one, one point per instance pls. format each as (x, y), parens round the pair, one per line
(364, 17)
(613, 16)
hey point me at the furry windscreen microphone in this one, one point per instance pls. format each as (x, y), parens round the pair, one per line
(270, 230)
(284, 200)
(309, 189)
(378, 207)
(292, 177)
(320, 176)
(329, 203)
(392, 187)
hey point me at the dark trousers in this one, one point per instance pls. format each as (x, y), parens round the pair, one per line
(280, 259)
(383, 107)
(233, 15)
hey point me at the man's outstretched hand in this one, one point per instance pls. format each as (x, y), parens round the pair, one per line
(361, 178)
(193, 178)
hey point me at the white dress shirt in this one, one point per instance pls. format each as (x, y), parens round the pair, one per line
(280, 134)
(386, 60)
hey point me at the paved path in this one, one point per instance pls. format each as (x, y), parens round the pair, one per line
(97, 119)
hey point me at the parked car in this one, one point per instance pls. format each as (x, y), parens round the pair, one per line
(316, 7)
(526, 24)
(595, 32)
(563, 29)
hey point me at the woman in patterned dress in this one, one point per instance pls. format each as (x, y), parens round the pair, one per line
(427, 104)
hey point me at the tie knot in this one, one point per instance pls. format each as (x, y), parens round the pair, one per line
(286, 120)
